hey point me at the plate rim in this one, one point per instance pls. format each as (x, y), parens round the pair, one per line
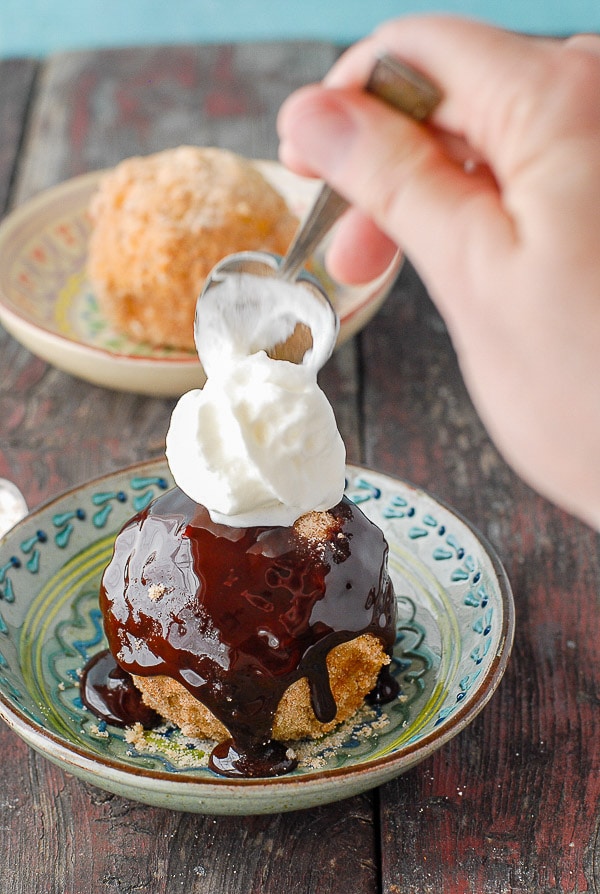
(35, 735)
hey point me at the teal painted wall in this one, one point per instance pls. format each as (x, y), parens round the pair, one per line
(39, 27)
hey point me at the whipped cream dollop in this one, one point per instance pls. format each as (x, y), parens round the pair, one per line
(258, 444)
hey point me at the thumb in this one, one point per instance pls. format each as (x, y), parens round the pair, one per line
(398, 173)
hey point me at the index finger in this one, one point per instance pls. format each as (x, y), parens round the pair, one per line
(479, 69)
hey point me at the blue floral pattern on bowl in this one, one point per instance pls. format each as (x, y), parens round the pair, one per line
(455, 628)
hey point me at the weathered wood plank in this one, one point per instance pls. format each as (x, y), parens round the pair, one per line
(340, 380)
(512, 804)
(16, 80)
(84, 840)
(95, 108)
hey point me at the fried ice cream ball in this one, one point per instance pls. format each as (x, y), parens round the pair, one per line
(161, 222)
(353, 670)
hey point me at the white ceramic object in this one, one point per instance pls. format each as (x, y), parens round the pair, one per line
(12, 505)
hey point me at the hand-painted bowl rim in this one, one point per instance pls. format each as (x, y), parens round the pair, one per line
(304, 791)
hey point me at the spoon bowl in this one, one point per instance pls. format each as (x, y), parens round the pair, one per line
(267, 264)
(400, 87)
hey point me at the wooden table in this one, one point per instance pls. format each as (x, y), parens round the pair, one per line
(512, 804)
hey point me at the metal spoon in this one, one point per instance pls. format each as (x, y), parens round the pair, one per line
(399, 86)
(404, 89)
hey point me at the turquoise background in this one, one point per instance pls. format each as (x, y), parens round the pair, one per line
(39, 27)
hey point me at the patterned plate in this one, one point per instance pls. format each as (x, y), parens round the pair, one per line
(455, 630)
(46, 302)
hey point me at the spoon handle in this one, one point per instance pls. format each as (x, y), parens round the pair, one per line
(328, 206)
(404, 89)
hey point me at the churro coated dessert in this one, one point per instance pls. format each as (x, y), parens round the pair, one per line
(159, 225)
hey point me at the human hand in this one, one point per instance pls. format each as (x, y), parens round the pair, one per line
(507, 244)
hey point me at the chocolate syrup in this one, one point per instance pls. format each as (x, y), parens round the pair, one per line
(386, 688)
(236, 615)
(109, 692)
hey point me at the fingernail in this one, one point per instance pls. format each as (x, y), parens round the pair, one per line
(320, 132)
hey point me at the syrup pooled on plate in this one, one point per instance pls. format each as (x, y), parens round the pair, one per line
(237, 615)
(109, 692)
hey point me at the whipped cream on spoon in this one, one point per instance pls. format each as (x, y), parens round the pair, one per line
(259, 444)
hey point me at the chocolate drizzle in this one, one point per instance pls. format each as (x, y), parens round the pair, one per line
(109, 692)
(238, 614)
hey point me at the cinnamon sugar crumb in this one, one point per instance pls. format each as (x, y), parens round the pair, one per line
(135, 734)
(180, 750)
(295, 347)
(156, 591)
(317, 526)
(100, 733)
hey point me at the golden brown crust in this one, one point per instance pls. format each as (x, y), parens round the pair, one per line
(317, 527)
(161, 223)
(353, 669)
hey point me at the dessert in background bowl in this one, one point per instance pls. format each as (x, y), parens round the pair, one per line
(161, 222)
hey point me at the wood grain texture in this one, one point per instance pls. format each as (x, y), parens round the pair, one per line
(82, 840)
(95, 108)
(16, 81)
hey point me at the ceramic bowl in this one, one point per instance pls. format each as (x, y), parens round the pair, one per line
(455, 630)
(47, 304)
